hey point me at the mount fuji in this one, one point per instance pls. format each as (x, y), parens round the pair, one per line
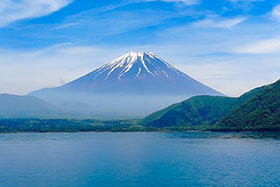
(134, 84)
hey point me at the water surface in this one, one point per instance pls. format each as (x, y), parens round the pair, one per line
(139, 159)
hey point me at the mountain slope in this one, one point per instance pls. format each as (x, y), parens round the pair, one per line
(13, 106)
(261, 112)
(134, 84)
(137, 72)
(197, 111)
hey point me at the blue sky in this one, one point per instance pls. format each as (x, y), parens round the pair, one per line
(230, 45)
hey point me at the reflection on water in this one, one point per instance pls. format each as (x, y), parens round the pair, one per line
(225, 135)
(140, 159)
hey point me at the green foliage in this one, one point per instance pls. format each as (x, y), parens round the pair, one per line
(261, 112)
(66, 125)
(197, 112)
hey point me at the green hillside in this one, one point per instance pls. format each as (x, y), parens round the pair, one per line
(261, 112)
(197, 111)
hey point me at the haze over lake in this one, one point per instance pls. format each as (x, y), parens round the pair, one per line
(139, 159)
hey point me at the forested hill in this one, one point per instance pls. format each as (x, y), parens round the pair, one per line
(261, 112)
(197, 111)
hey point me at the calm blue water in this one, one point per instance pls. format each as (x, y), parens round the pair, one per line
(139, 159)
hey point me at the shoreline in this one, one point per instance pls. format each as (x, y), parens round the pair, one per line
(12, 126)
(148, 131)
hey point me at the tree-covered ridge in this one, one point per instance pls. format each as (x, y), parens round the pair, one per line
(68, 125)
(197, 111)
(261, 112)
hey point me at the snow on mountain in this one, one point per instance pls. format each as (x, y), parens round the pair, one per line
(139, 72)
(134, 84)
(133, 65)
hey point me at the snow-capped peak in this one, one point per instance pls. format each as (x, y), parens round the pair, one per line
(135, 65)
(132, 57)
(137, 73)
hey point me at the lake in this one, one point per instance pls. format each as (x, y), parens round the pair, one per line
(140, 159)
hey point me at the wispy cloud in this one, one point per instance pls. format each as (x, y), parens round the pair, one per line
(276, 12)
(266, 46)
(108, 21)
(244, 5)
(123, 3)
(14, 10)
(236, 1)
(220, 22)
(52, 65)
(66, 25)
(186, 2)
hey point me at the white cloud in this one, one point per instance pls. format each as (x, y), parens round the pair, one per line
(276, 12)
(24, 71)
(267, 46)
(187, 2)
(219, 23)
(14, 10)
(116, 22)
(236, 1)
(66, 26)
